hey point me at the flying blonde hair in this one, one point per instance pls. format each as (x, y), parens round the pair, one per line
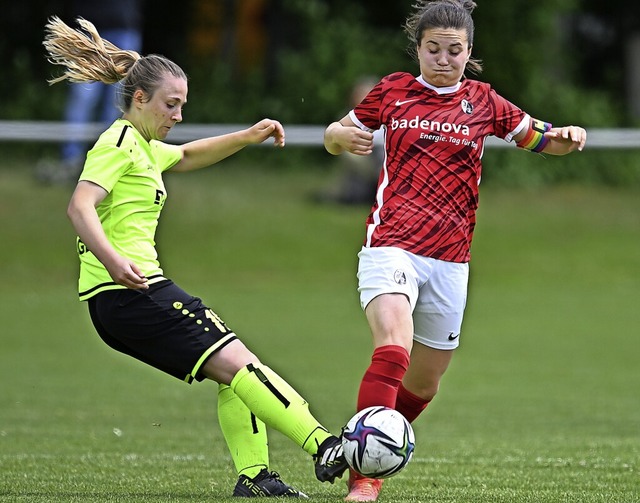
(87, 57)
(84, 54)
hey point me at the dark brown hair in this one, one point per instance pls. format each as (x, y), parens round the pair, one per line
(454, 14)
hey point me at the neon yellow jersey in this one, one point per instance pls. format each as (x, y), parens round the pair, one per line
(130, 169)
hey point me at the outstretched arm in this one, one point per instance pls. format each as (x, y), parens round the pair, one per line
(539, 136)
(346, 136)
(207, 151)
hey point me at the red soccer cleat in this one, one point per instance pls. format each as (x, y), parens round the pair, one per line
(362, 488)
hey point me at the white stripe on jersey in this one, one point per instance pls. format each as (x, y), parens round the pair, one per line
(357, 122)
(383, 185)
(520, 127)
(385, 180)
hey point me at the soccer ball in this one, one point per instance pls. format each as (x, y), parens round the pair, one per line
(378, 442)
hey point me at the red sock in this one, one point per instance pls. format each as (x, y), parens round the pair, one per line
(380, 383)
(408, 404)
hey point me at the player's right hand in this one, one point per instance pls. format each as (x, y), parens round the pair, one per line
(126, 273)
(347, 137)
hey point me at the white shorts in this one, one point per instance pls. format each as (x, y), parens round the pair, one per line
(437, 291)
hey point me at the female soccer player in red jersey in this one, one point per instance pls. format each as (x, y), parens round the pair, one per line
(413, 267)
(134, 308)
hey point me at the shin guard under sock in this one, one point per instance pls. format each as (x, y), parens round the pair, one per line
(244, 433)
(409, 405)
(381, 380)
(274, 401)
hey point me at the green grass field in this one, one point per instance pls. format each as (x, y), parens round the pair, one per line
(541, 404)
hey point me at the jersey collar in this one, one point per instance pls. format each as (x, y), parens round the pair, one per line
(439, 90)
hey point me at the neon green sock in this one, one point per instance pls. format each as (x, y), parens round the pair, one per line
(274, 401)
(245, 434)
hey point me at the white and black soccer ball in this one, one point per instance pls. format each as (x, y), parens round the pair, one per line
(378, 442)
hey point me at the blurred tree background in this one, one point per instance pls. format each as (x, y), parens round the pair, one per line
(576, 61)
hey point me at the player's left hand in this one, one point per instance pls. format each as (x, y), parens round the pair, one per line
(568, 138)
(267, 128)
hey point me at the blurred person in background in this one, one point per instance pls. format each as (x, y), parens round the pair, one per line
(413, 267)
(357, 175)
(120, 22)
(135, 309)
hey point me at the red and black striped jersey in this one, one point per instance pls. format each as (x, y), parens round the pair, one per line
(434, 139)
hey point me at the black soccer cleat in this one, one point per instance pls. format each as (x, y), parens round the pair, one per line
(265, 484)
(330, 461)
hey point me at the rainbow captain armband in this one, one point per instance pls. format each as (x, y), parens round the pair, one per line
(535, 140)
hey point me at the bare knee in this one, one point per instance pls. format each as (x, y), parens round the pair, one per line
(223, 365)
(425, 372)
(390, 321)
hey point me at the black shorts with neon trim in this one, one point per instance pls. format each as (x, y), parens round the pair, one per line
(162, 326)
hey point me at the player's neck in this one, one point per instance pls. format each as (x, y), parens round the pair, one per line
(439, 90)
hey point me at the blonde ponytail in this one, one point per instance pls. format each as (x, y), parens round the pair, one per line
(85, 55)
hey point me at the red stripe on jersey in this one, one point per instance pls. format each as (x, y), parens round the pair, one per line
(428, 194)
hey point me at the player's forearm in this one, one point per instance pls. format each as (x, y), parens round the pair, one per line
(207, 151)
(330, 139)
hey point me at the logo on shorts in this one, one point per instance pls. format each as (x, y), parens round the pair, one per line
(399, 277)
(452, 336)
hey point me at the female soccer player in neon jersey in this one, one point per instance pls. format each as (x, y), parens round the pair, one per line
(135, 309)
(413, 267)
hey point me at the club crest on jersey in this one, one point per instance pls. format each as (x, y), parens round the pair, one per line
(399, 277)
(467, 107)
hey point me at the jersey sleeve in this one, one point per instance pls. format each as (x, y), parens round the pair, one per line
(509, 118)
(105, 164)
(366, 115)
(165, 154)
